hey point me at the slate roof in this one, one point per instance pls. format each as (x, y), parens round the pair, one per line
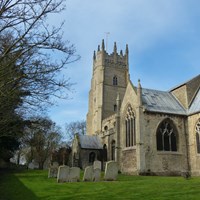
(195, 106)
(161, 101)
(90, 142)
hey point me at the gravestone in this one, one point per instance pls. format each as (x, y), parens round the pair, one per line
(111, 171)
(88, 173)
(31, 166)
(96, 174)
(53, 171)
(63, 174)
(97, 164)
(74, 174)
(55, 164)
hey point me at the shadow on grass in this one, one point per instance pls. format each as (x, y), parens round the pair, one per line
(11, 188)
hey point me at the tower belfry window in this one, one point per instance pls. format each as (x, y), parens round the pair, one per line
(115, 80)
(197, 129)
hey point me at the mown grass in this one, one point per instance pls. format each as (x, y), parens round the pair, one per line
(34, 185)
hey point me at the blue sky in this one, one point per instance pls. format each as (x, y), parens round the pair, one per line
(163, 38)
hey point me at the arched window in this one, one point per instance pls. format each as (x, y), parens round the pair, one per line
(104, 152)
(115, 107)
(92, 157)
(113, 150)
(130, 128)
(197, 129)
(166, 136)
(115, 80)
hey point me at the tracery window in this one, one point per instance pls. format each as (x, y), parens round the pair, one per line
(130, 128)
(197, 129)
(115, 80)
(166, 136)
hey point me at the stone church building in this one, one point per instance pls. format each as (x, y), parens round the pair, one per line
(146, 131)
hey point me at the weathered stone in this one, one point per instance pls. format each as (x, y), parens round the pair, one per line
(111, 171)
(63, 174)
(55, 164)
(97, 164)
(96, 175)
(88, 173)
(74, 174)
(53, 171)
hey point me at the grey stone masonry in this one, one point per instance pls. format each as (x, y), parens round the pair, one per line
(111, 171)
(63, 174)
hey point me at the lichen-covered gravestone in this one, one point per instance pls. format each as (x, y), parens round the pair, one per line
(88, 173)
(53, 170)
(96, 174)
(111, 171)
(97, 164)
(63, 174)
(74, 174)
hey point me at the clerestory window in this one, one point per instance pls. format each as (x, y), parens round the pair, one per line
(166, 136)
(197, 129)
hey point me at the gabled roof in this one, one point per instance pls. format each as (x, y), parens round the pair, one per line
(90, 142)
(187, 82)
(162, 102)
(195, 106)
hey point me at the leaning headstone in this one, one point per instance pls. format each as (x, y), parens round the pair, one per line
(96, 175)
(74, 174)
(88, 173)
(53, 171)
(63, 174)
(111, 171)
(97, 164)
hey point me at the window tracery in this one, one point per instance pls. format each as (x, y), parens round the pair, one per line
(197, 129)
(130, 128)
(166, 136)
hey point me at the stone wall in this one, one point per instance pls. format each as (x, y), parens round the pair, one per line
(181, 95)
(164, 162)
(129, 161)
(84, 157)
(194, 157)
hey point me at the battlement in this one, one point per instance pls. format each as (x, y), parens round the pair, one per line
(102, 58)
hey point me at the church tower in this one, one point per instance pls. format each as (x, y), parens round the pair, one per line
(109, 80)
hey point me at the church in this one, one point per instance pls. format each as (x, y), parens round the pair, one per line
(146, 131)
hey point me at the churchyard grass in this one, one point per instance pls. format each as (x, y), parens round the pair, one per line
(34, 185)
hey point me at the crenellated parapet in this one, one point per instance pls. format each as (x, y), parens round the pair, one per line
(115, 59)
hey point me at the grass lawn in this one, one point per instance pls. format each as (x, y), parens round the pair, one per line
(34, 184)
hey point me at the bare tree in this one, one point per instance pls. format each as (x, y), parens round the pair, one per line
(42, 136)
(73, 128)
(32, 55)
(31, 44)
